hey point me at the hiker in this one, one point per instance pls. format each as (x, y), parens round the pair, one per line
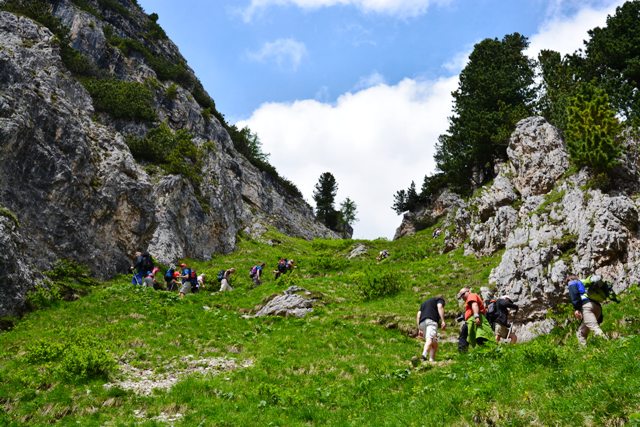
(172, 284)
(137, 269)
(290, 265)
(147, 262)
(148, 280)
(154, 276)
(430, 315)
(501, 322)
(256, 273)
(185, 275)
(225, 285)
(382, 255)
(476, 329)
(281, 268)
(586, 298)
(201, 280)
(169, 277)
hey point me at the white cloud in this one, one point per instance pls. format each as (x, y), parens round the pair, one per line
(286, 53)
(379, 138)
(373, 79)
(375, 142)
(565, 34)
(400, 8)
(459, 61)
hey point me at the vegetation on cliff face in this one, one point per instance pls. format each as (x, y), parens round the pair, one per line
(348, 362)
(133, 101)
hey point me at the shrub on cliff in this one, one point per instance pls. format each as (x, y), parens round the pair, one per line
(175, 152)
(121, 100)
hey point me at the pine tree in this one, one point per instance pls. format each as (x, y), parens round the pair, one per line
(400, 202)
(348, 210)
(592, 129)
(324, 196)
(495, 91)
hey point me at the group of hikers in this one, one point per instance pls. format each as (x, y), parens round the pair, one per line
(488, 320)
(483, 321)
(185, 279)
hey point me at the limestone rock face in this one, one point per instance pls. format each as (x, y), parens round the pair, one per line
(547, 224)
(69, 177)
(538, 156)
(15, 275)
(412, 222)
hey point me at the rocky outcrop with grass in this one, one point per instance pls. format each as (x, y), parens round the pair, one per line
(110, 144)
(548, 220)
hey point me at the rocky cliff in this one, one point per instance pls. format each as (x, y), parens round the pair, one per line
(69, 184)
(547, 220)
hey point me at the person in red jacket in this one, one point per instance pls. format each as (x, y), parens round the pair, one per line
(476, 331)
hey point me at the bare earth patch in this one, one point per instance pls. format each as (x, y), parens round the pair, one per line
(144, 381)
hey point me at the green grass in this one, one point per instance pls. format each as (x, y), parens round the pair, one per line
(346, 363)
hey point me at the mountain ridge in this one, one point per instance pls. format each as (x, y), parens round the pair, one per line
(68, 174)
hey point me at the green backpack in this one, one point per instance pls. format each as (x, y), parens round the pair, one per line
(598, 290)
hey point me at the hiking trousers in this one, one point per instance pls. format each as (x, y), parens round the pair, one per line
(591, 312)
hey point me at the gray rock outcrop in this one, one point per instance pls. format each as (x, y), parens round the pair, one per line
(288, 304)
(71, 180)
(548, 224)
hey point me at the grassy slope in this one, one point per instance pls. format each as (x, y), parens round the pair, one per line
(347, 363)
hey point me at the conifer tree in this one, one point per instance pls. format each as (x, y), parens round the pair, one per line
(324, 196)
(495, 91)
(348, 211)
(592, 128)
(400, 201)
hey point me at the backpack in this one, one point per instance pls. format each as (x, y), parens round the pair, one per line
(220, 275)
(596, 291)
(282, 266)
(492, 310)
(193, 275)
(147, 262)
(169, 274)
(253, 271)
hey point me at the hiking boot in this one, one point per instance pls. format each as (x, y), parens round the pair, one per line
(423, 358)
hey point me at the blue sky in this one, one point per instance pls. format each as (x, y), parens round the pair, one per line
(358, 88)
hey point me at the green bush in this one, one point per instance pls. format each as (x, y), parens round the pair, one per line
(172, 92)
(154, 30)
(65, 280)
(65, 270)
(81, 357)
(174, 152)
(85, 361)
(326, 263)
(155, 145)
(185, 158)
(121, 100)
(44, 351)
(372, 285)
(43, 296)
(592, 129)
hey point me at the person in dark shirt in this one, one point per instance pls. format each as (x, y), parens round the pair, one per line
(503, 304)
(430, 315)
